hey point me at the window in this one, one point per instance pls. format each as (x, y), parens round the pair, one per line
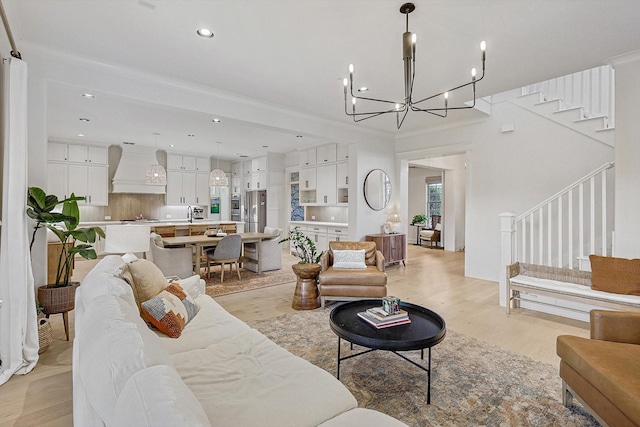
(434, 200)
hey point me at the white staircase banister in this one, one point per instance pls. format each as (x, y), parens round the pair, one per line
(602, 168)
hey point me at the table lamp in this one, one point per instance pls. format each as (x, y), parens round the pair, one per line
(127, 239)
(393, 221)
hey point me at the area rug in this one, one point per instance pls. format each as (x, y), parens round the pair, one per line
(473, 383)
(248, 281)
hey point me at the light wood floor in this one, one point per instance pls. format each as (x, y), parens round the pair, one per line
(431, 277)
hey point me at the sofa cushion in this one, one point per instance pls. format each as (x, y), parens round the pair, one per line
(616, 275)
(148, 280)
(115, 343)
(248, 380)
(370, 276)
(349, 259)
(157, 396)
(369, 248)
(170, 310)
(611, 367)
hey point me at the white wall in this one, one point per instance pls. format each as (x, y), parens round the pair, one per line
(627, 171)
(370, 155)
(509, 172)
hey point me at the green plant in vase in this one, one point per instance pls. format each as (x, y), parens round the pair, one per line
(59, 297)
(304, 247)
(419, 219)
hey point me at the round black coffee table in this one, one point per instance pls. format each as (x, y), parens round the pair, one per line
(427, 328)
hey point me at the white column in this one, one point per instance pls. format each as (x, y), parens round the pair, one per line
(627, 155)
(507, 230)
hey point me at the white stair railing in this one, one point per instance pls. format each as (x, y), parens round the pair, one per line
(592, 90)
(573, 223)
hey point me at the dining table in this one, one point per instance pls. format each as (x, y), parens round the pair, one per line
(203, 241)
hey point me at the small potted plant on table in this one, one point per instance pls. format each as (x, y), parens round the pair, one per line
(306, 295)
(59, 297)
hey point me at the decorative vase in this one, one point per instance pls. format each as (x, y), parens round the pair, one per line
(306, 295)
(57, 299)
(45, 335)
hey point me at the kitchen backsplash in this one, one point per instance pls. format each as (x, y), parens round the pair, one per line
(327, 214)
(129, 206)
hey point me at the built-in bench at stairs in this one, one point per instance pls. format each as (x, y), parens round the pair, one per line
(561, 291)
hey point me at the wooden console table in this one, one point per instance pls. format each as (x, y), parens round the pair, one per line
(392, 246)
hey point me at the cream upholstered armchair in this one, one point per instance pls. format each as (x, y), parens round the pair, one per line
(432, 235)
(171, 261)
(352, 270)
(270, 254)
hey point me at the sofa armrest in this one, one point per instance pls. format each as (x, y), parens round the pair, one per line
(379, 260)
(617, 326)
(324, 261)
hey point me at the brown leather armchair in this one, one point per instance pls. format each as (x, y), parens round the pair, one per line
(351, 284)
(603, 373)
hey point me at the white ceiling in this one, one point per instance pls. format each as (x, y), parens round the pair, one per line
(294, 54)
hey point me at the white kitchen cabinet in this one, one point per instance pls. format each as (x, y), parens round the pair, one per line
(203, 192)
(342, 152)
(326, 154)
(342, 175)
(246, 169)
(87, 154)
(308, 179)
(259, 180)
(259, 164)
(326, 193)
(236, 169)
(236, 184)
(57, 151)
(180, 162)
(58, 179)
(318, 235)
(181, 188)
(307, 157)
(89, 181)
(203, 165)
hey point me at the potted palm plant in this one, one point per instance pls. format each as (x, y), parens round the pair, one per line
(306, 295)
(59, 297)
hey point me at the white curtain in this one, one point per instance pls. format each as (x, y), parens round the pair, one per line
(18, 319)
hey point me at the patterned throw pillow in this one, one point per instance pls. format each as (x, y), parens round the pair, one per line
(349, 259)
(170, 310)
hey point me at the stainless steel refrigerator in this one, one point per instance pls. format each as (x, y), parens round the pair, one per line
(255, 211)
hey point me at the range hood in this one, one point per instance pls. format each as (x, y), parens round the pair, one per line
(130, 176)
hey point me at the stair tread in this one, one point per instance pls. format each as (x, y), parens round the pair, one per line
(586, 119)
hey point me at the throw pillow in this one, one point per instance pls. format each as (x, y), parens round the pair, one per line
(349, 259)
(616, 275)
(148, 280)
(170, 310)
(194, 285)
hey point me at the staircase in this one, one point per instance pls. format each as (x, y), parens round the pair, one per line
(581, 101)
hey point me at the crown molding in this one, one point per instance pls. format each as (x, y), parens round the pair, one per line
(624, 59)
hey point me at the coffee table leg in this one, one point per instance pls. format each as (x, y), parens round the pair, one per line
(429, 378)
(338, 371)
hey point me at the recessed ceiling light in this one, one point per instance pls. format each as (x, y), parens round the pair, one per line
(171, 145)
(204, 32)
(82, 119)
(88, 95)
(81, 134)
(265, 146)
(191, 135)
(242, 155)
(298, 136)
(363, 89)
(216, 120)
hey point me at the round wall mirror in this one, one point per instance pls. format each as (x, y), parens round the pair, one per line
(377, 189)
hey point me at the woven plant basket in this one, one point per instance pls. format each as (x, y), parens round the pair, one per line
(57, 300)
(45, 335)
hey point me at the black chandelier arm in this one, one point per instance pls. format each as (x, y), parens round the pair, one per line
(364, 98)
(369, 114)
(398, 121)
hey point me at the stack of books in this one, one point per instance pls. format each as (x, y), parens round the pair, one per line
(379, 318)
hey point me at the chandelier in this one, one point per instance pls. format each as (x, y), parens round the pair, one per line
(217, 177)
(156, 174)
(402, 108)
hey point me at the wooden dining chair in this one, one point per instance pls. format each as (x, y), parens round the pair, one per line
(229, 228)
(165, 230)
(226, 252)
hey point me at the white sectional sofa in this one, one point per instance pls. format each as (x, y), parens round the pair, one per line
(219, 372)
